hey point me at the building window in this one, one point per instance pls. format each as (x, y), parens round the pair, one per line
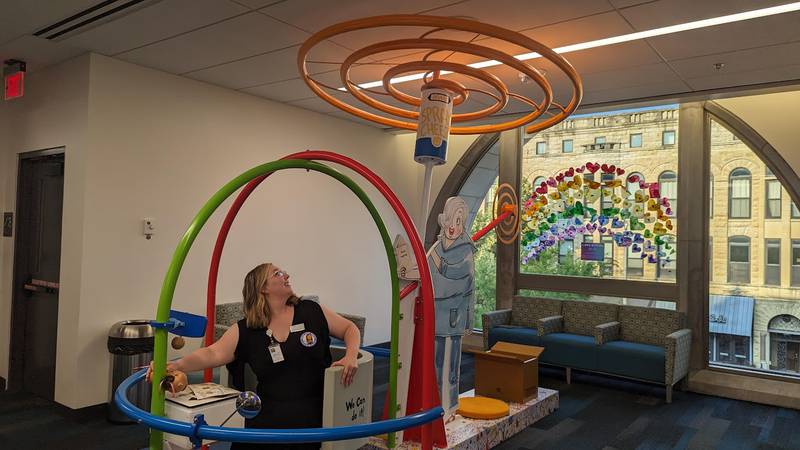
(795, 211)
(795, 278)
(600, 140)
(608, 253)
(711, 197)
(739, 194)
(566, 251)
(669, 189)
(710, 259)
(634, 264)
(606, 200)
(540, 148)
(636, 140)
(665, 268)
(668, 137)
(773, 204)
(739, 259)
(566, 146)
(772, 269)
(633, 186)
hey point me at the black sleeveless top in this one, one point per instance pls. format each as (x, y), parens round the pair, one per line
(291, 390)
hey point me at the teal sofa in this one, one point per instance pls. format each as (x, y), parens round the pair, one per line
(647, 344)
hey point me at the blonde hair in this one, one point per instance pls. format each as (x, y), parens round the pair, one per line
(256, 306)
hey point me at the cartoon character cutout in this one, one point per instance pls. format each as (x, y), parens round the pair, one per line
(451, 261)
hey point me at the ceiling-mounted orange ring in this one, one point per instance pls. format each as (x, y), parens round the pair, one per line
(452, 24)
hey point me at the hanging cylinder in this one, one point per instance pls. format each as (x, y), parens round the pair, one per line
(433, 128)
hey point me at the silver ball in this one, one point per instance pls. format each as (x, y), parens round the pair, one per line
(248, 404)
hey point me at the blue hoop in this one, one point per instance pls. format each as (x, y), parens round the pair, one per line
(264, 435)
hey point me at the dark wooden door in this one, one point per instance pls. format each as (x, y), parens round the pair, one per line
(37, 260)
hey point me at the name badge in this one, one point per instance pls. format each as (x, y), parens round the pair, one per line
(275, 353)
(298, 327)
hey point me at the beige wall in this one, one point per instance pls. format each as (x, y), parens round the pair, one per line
(159, 146)
(773, 116)
(53, 113)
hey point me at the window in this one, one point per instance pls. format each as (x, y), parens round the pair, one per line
(669, 189)
(540, 148)
(668, 138)
(795, 211)
(608, 259)
(633, 186)
(739, 260)
(711, 196)
(608, 254)
(665, 267)
(634, 265)
(636, 140)
(711, 259)
(795, 278)
(773, 204)
(739, 194)
(606, 200)
(772, 268)
(566, 251)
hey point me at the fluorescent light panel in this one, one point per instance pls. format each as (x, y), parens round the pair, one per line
(738, 17)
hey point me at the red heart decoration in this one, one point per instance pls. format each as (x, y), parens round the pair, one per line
(551, 181)
(570, 172)
(633, 178)
(580, 169)
(592, 167)
(605, 168)
(541, 190)
(612, 168)
(560, 177)
(620, 171)
(642, 185)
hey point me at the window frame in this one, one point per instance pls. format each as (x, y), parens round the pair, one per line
(664, 135)
(543, 148)
(740, 241)
(769, 243)
(731, 198)
(630, 140)
(571, 146)
(768, 200)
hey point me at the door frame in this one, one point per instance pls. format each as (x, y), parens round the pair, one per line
(16, 333)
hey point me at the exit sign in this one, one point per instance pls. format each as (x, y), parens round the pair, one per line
(14, 85)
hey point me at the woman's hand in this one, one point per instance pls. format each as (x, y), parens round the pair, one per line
(350, 365)
(172, 366)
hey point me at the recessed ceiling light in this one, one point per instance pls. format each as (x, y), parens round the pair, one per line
(719, 66)
(714, 21)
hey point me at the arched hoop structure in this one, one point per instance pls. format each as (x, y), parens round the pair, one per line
(435, 45)
(426, 293)
(254, 177)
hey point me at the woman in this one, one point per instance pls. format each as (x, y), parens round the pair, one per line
(286, 341)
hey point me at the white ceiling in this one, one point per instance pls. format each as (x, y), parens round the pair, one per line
(251, 45)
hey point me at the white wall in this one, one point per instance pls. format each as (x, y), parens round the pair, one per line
(53, 113)
(773, 116)
(142, 143)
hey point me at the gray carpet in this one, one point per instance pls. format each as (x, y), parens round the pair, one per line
(596, 412)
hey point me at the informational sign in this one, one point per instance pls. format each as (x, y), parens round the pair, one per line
(592, 251)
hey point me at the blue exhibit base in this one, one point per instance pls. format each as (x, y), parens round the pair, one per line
(283, 436)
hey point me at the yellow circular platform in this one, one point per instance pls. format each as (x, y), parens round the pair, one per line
(482, 408)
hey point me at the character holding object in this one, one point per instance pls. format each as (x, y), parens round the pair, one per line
(452, 272)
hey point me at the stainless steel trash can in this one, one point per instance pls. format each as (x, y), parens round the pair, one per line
(130, 343)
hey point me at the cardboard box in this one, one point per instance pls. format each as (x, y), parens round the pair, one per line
(508, 372)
